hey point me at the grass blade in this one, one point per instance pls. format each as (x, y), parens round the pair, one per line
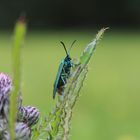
(19, 34)
(57, 125)
(71, 92)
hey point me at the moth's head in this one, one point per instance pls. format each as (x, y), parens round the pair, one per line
(68, 58)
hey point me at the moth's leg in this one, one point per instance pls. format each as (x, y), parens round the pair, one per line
(64, 70)
(75, 62)
(64, 74)
(63, 79)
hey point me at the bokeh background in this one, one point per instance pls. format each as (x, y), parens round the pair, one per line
(109, 108)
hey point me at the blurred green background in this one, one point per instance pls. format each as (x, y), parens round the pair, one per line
(109, 106)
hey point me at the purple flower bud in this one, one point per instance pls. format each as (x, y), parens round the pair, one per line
(23, 132)
(3, 124)
(22, 113)
(5, 84)
(5, 87)
(5, 109)
(4, 135)
(1, 101)
(29, 115)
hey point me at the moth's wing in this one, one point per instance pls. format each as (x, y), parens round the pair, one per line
(57, 78)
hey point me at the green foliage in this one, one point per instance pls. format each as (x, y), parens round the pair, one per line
(57, 125)
(19, 35)
(111, 89)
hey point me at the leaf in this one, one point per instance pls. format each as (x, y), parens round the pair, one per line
(19, 34)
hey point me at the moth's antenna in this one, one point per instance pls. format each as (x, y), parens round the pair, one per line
(64, 47)
(71, 45)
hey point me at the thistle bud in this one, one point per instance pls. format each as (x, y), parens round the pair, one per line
(23, 132)
(5, 87)
(5, 84)
(29, 115)
(4, 134)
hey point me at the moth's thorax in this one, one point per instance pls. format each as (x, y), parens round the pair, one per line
(67, 62)
(67, 58)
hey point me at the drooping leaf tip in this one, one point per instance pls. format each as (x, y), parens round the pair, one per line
(100, 33)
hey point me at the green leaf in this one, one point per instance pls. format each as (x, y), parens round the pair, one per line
(19, 34)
